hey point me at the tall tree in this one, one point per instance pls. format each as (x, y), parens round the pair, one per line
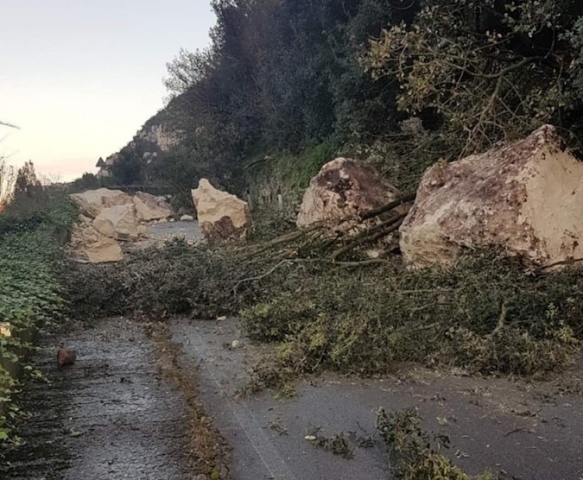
(491, 69)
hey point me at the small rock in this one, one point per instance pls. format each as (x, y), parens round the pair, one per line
(220, 319)
(6, 329)
(187, 218)
(235, 344)
(66, 357)
(310, 438)
(374, 254)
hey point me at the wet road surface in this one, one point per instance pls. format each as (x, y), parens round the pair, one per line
(114, 415)
(109, 416)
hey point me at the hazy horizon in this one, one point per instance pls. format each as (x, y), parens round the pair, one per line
(81, 79)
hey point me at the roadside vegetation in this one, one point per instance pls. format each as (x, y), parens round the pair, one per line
(33, 223)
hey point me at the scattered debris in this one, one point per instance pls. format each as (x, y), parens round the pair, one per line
(417, 452)
(338, 444)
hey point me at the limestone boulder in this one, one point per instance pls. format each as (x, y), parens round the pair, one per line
(92, 202)
(5, 329)
(340, 192)
(150, 207)
(94, 247)
(119, 222)
(525, 197)
(221, 216)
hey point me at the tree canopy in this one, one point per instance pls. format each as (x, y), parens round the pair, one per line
(281, 75)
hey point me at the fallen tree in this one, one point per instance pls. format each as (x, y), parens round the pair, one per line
(319, 243)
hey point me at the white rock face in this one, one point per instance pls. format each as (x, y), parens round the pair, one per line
(525, 197)
(94, 247)
(119, 222)
(221, 216)
(160, 135)
(343, 189)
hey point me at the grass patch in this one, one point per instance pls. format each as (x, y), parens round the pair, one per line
(291, 171)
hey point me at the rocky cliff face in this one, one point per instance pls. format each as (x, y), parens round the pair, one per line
(157, 135)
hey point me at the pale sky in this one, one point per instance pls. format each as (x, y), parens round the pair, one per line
(80, 77)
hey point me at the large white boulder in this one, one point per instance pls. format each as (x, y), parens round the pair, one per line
(92, 202)
(90, 245)
(341, 192)
(119, 222)
(525, 197)
(221, 216)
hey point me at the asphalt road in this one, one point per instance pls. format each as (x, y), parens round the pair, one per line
(114, 416)
(519, 429)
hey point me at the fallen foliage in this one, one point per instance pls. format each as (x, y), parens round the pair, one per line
(416, 453)
(487, 314)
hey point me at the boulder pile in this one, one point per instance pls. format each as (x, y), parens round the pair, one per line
(108, 217)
